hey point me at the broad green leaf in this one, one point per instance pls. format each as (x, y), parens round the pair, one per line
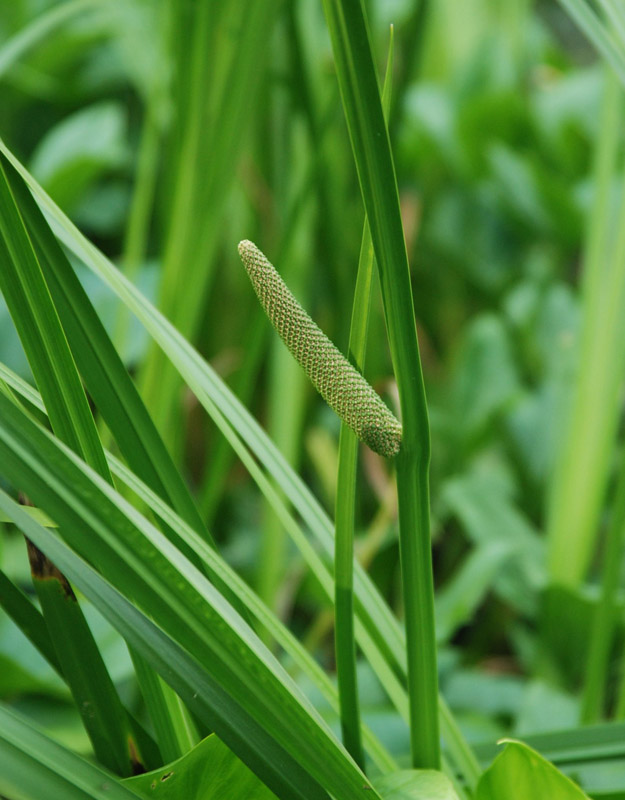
(487, 514)
(208, 772)
(74, 153)
(590, 743)
(416, 784)
(520, 773)
(459, 597)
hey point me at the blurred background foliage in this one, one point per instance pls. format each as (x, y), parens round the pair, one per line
(169, 131)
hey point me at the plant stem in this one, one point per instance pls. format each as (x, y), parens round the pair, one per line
(583, 466)
(344, 638)
(376, 172)
(605, 614)
(137, 230)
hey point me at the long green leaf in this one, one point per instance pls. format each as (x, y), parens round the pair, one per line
(115, 395)
(40, 330)
(28, 619)
(377, 630)
(372, 152)
(257, 609)
(104, 374)
(126, 548)
(598, 33)
(229, 73)
(189, 678)
(345, 644)
(35, 766)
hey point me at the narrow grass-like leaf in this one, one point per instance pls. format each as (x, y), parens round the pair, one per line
(118, 400)
(83, 667)
(598, 33)
(35, 766)
(105, 376)
(127, 549)
(190, 679)
(38, 325)
(370, 143)
(210, 143)
(345, 645)
(28, 619)
(377, 630)
(40, 28)
(258, 610)
(596, 677)
(583, 465)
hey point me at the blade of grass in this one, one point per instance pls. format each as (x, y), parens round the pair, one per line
(119, 402)
(41, 28)
(39, 328)
(259, 611)
(375, 618)
(35, 766)
(605, 617)
(584, 457)
(616, 14)
(594, 28)
(91, 684)
(345, 645)
(410, 37)
(111, 386)
(370, 143)
(243, 385)
(184, 673)
(32, 624)
(102, 369)
(128, 549)
(206, 168)
(28, 619)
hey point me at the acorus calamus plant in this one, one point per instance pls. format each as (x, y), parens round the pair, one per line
(339, 383)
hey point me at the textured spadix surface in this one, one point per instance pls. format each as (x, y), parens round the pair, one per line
(342, 386)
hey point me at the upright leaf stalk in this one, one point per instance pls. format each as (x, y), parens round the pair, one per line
(372, 152)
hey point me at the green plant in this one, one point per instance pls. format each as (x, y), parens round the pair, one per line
(225, 693)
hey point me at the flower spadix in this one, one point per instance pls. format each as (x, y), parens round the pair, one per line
(338, 382)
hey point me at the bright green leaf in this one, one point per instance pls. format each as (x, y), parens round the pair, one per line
(208, 772)
(520, 773)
